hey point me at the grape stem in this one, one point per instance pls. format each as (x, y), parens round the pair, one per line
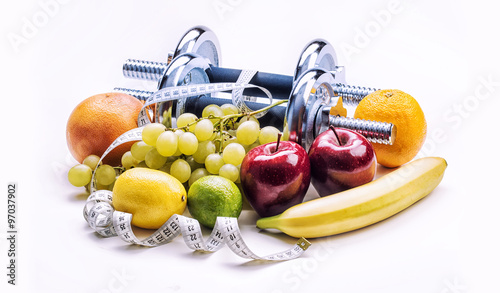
(224, 120)
(120, 169)
(231, 116)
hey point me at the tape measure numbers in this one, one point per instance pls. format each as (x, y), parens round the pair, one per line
(181, 92)
(102, 217)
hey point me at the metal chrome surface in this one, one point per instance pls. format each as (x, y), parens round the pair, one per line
(352, 95)
(185, 69)
(318, 81)
(190, 64)
(377, 132)
(202, 41)
(317, 54)
(142, 69)
(311, 91)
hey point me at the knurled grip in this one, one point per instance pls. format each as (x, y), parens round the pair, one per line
(377, 132)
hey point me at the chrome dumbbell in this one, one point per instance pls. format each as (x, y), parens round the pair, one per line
(317, 84)
(203, 42)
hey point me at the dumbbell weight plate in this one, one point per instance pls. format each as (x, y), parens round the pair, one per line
(188, 68)
(202, 41)
(317, 54)
(310, 92)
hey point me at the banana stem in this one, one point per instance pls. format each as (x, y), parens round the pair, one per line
(268, 222)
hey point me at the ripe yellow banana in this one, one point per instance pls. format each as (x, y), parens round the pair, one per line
(361, 206)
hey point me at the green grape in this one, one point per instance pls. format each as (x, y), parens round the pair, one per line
(154, 160)
(197, 174)
(188, 143)
(230, 172)
(215, 138)
(91, 161)
(186, 118)
(205, 148)
(105, 174)
(229, 109)
(172, 159)
(215, 135)
(181, 170)
(233, 154)
(166, 168)
(231, 124)
(248, 132)
(239, 171)
(80, 175)
(151, 132)
(250, 147)
(213, 162)
(247, 118)
(99, 186)
(229, 140)
(193, 164)
(178, 152)
(128, 161)
(139, 150)
(268, 134)
(213, 110)
(204, 129)
(141, 164)
(166, 144)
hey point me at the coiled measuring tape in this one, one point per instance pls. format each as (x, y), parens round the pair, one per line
(106, 221)
(182, 92)
(101, 217)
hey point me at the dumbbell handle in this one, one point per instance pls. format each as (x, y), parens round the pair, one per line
(279, 85)
(377, 132)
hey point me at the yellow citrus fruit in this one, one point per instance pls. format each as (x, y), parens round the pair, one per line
(402, 110)
(151, 196)
(213, 196)
(97, 121)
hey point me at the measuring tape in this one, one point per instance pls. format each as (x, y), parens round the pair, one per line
(106, 221)
(237, 94)
(182, 92)
(102, 217)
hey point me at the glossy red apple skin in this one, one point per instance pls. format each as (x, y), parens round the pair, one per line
(334, 167)
(273, 181)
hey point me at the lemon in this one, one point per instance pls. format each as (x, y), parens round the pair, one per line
(151, 196)
(213, 196)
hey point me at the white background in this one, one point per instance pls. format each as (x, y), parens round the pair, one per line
(438, 51)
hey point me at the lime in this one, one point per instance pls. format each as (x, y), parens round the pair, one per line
(213, 196)
(151, 196)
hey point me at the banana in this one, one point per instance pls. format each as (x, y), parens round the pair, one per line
(361, 206)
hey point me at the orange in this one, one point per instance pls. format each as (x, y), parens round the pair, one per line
(97, 121)
(402, 110)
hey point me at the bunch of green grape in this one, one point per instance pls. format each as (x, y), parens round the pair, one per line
(105, 175)
(214, 144)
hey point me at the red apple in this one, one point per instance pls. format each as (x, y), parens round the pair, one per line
(275, 176)
(340, 159)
